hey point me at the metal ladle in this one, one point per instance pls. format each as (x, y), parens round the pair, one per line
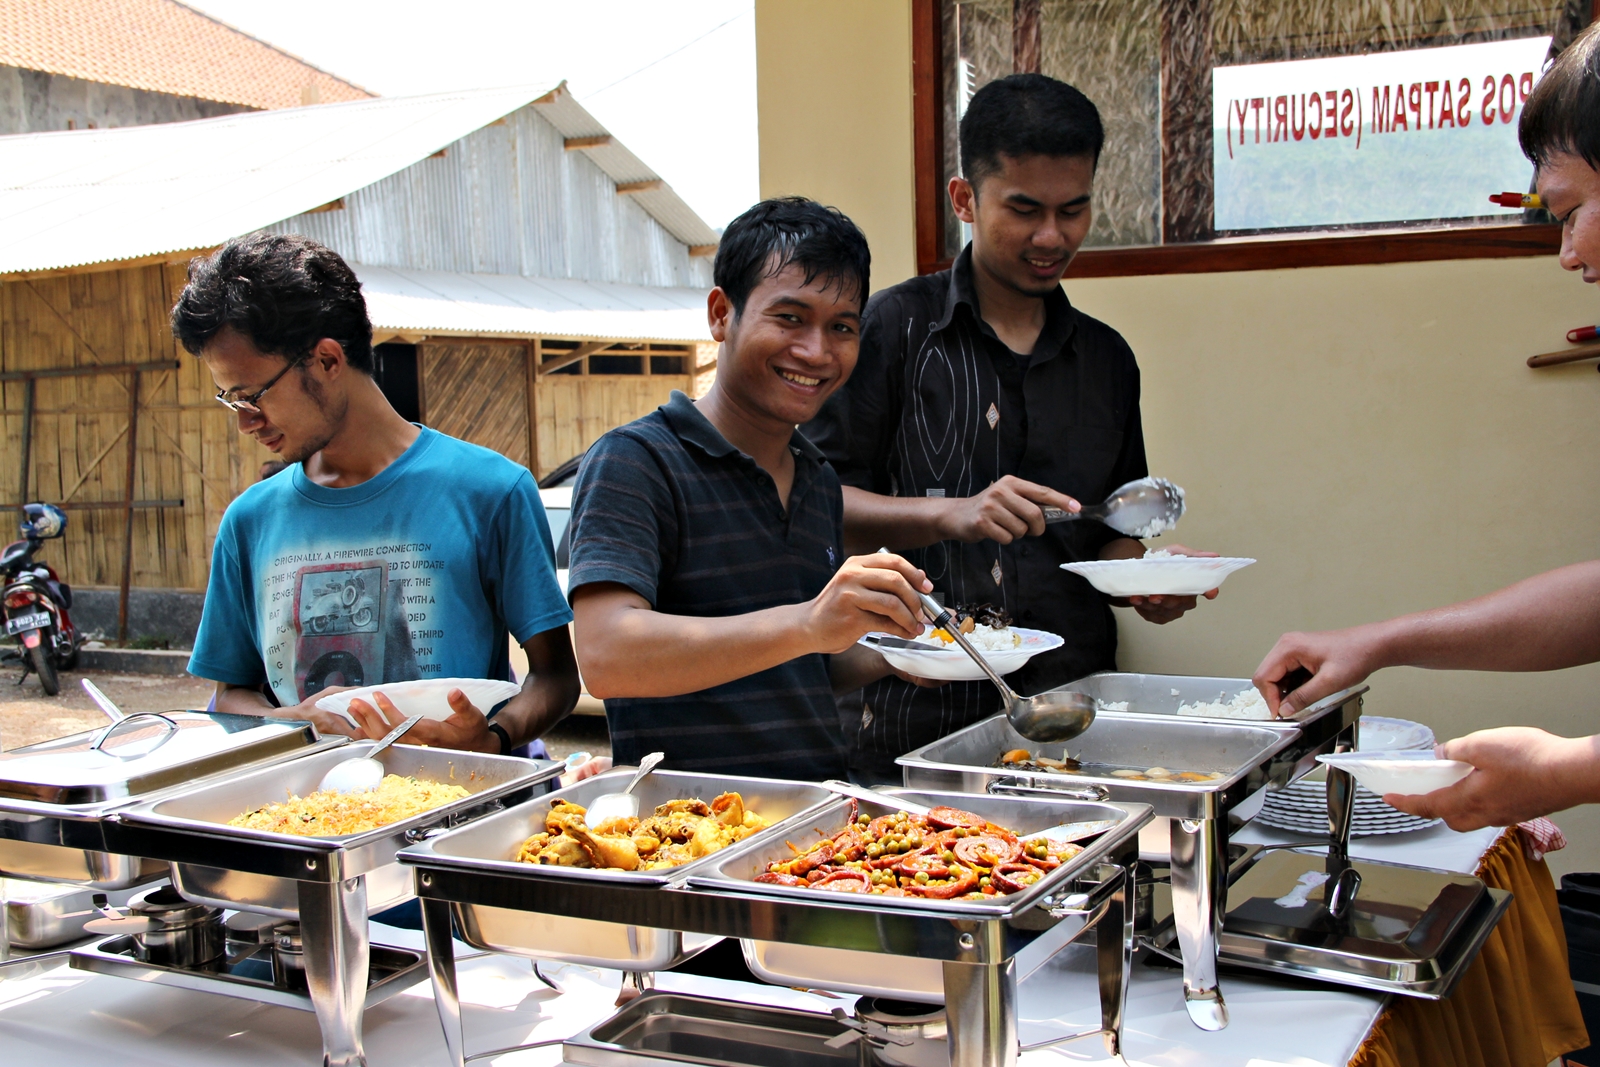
(1144, 508)
(1046, 718)
(363, 774)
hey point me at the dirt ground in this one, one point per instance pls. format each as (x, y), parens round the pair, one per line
(28, 716)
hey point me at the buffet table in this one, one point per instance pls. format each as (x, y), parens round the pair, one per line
(1515, 1006)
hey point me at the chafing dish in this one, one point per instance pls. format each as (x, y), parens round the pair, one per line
(974, 944)
(492, 844)
(55, 796)
(329, 883)
(1252, 757)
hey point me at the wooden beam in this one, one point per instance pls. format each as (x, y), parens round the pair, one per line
(573, 143)
(28, 390)
(588, 348)
(331, 205)
(1186, 167)
(702, 250)
(127, 510)
(76, 372)
(625, 188)
(927, 136)
(534, 355)
(1025, 36)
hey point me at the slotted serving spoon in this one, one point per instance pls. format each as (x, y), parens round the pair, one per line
(363, 773)
(1045, 718)
(1147, 507)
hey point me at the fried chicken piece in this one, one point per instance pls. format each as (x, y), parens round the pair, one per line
(564, 851)
(693, 806)
(728, 809)
(560, 815)
(607, 850)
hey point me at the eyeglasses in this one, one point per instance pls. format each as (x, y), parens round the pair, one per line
(250, 404)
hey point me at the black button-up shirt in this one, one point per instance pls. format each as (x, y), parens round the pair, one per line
(939, 406)
(669, 508)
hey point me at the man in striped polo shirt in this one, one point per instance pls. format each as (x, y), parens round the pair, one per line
(714, 610)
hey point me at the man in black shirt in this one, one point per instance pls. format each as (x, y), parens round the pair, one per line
(714, 610)
(982, 396)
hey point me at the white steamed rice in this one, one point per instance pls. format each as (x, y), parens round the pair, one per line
(1248, 704)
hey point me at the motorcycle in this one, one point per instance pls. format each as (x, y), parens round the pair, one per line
(37, 601)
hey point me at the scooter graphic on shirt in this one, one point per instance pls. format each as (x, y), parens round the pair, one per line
(351, 628)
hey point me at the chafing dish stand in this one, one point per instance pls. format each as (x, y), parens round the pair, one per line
(1254, 756)
(977, 944)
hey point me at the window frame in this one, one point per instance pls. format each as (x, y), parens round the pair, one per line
(1181, 252)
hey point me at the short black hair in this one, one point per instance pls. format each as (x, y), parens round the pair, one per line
(285, 293)
(1562, 114)
(1027, 115)
(791, 230)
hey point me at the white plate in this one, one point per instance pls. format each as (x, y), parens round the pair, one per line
(1380, 734)
(428, 697)
(954, 665)
(1161, 576)
(1408, 773)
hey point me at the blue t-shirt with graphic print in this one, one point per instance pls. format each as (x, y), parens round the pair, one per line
(419, 572)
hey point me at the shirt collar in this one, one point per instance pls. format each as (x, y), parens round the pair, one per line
(689, 424)
(1059, 317)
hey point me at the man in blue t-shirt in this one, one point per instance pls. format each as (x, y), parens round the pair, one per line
(387, 551)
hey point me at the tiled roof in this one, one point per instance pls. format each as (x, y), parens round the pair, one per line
(161, 46)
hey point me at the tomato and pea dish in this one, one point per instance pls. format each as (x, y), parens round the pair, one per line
(947, 854)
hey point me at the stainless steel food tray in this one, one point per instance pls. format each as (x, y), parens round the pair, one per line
(55, 796)
(976, 946)
(909, 975)
(670, 1028)
(492, 844)
(258, 870)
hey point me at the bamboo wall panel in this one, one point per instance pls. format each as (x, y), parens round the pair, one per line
(187, 444)
(478, 392)
(574, 410)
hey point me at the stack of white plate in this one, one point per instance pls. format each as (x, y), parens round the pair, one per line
(1303, 806)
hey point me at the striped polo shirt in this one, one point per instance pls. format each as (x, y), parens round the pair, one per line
(667, 507)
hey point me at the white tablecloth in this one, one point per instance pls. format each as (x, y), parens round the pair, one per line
(65, 1018)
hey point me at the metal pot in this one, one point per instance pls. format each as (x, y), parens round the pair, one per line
(288, 958)
(182, 933)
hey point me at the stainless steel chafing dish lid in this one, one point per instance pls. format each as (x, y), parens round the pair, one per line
(491, 844)
(1117, 739)
(67, 772)
(737, 867)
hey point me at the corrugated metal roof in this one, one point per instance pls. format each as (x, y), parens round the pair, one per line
(622, 166)
(161, 46)
(92, 196)
(73, 198)
(502, 305)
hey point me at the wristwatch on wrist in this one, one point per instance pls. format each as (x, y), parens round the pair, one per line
(505, 738)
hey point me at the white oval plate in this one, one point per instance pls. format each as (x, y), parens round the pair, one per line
(1407, 773)
(1161, 576)
(428, 697)
(954, 665)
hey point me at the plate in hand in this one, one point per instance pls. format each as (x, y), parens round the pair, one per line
(1158, 575)
(954, 665)
(428, 697)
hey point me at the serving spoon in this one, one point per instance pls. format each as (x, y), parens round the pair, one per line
(1046, 718)
(363, 774)
(1147, 507)
(608, 807)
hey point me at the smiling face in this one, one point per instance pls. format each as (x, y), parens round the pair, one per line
(1028, 218)
(1571, 191)
(793, 345)
(301, 412)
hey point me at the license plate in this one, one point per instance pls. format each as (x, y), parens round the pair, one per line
(37, 621)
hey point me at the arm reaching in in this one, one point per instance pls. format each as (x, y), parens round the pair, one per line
(1010, 508)
(628, 649)
(1543, 623)
(1519, 773)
